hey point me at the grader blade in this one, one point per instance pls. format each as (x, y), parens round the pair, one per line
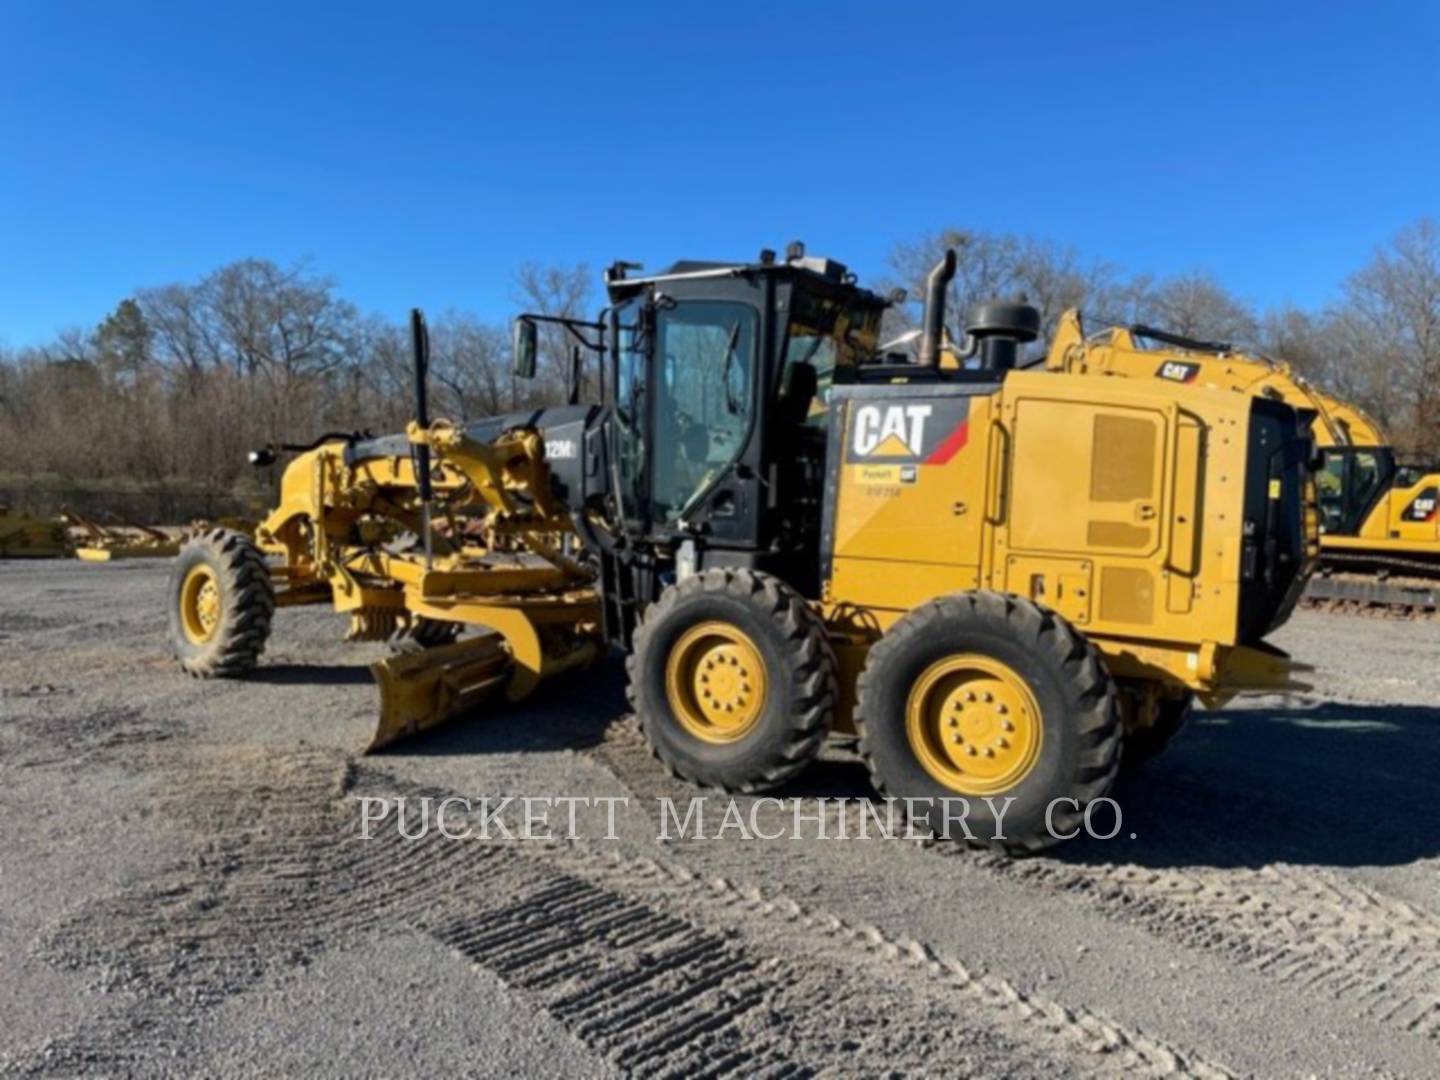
(102, 543)
(422, 690)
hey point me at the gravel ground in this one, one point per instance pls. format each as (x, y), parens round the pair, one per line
(184, 887)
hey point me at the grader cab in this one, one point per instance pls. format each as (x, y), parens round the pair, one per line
(997, 579)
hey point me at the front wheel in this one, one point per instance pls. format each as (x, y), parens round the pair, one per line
(989, 706)
(734, 680)
(221, 604)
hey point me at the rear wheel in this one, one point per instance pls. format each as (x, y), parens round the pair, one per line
(734, 680)
(221, 604)
(993, 700)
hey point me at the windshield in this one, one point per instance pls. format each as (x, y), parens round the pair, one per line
(705, 352)
(1348, 486)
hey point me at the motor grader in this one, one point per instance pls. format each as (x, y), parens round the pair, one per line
(1379, 517)
(998, 580)
(72, 534)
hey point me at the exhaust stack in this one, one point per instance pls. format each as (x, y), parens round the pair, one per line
(933, 331)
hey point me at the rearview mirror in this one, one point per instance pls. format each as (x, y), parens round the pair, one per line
(523, 346)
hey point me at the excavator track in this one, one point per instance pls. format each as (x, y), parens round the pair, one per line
(1383, 587)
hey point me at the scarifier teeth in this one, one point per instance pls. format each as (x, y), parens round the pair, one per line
(372, 624)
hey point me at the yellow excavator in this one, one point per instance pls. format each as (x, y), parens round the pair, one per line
(1380, 530)
(994, 581)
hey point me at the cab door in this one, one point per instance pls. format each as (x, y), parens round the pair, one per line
(704, 406)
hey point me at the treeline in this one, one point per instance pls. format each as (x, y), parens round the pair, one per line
(179, 381)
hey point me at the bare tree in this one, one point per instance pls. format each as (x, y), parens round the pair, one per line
(1198, 306)
(996, 266)
(1302, 338)
(1386, 335)
(470, 362)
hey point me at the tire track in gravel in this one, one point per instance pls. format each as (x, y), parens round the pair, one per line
(661, 972)
(1305, 927)
(1301, 926)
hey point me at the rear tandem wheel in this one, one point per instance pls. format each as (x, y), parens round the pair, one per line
(983, 696)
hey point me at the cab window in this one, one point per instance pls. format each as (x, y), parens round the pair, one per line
(705, 355)
(828, 334)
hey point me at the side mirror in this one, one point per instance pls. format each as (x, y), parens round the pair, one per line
(523, 347)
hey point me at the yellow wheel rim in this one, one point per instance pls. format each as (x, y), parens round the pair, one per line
(715, 682)
(973, 724)
(200, 604)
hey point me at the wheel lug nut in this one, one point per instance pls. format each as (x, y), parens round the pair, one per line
(1008, 726)
(958, 738)
(1003, 743)
(1001, 709)
(989, 751)
(970, 750)
(953, 722)
(989, 696)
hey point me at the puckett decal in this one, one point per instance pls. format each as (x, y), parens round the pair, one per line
(909, 433)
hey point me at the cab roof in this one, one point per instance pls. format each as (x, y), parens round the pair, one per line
(825, 275)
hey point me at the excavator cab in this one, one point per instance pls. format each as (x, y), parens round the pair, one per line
(1353, 480)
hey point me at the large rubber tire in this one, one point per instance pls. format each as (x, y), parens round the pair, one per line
(241, 607)
(1080, 736)
(800, 672)
(1145, 744)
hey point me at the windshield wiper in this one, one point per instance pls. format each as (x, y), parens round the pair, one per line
(732, 405)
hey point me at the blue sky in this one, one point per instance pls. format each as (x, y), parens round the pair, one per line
(419, 152)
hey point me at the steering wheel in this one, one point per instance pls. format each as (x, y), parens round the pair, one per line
(694, 438)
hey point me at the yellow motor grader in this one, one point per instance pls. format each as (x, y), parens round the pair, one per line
(999, 580)
(72, 534)
(25, 537)
(1379, 517)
